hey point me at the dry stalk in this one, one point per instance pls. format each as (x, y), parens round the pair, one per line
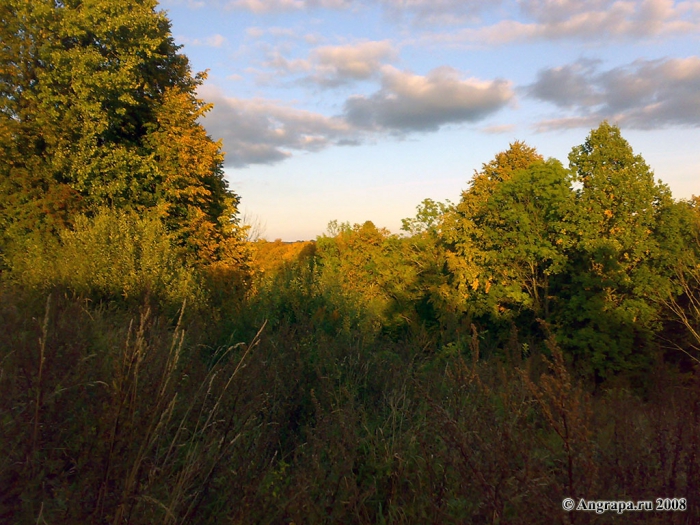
(39, 390)
(566, 408)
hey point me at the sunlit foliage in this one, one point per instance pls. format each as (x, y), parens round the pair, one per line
(98, 108)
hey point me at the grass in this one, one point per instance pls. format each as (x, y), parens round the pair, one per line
(112, 415)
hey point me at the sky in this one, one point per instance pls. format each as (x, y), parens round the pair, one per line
(356, 110)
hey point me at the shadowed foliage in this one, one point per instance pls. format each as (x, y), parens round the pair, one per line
(535, 341)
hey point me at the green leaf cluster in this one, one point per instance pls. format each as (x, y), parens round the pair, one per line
(115, 255)
(98, 108)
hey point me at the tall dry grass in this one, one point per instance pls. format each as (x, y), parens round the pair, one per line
(118, 416)
(109, 419)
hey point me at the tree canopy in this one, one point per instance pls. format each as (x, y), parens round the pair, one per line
(98, 109)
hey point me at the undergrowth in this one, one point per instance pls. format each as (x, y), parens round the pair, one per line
(113, 415)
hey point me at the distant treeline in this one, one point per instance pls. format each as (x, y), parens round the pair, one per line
(599, 255)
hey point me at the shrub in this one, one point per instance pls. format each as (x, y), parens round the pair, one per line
(116, 254)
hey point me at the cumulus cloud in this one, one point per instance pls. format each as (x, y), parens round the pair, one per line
(567, 19)
(332, 66)
(258, 131)
(336, 65)
(408, 102)
(210, 41)
(645, 94)
(286, 66)
(567, 86)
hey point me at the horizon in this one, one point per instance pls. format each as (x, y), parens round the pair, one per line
(353, 110)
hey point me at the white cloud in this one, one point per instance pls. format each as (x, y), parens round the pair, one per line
(258, 131)
(408, 102)
(335, 65)
(577, 19)
(210, 41)
(282, 65)
(645, 94)
(332, 66)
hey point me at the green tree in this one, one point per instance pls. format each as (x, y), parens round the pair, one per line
(371, 269)
(424, 250)
(524, 237)
(428, 217)
(627, 233)
(97, 108)
(463, 231)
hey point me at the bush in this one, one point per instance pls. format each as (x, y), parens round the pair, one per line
(116, 254)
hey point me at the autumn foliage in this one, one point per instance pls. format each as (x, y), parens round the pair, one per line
(536, 340)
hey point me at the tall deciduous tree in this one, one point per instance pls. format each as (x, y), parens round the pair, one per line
(524, 237)
(98, 108)
(626, 233)
(463, 228)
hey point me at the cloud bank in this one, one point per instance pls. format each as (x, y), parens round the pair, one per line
(408, 102)
(513, 20)
(259, 131)
(333, 66)
(604, 20)
(645, 94)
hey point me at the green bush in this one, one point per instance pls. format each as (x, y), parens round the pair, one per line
(115, 255)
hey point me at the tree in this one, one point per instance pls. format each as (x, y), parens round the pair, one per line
(681, 303)
(425, 251)
(98, 108)
(524, 237)
(371, 270)
(463, 226)
(626, 236)
(429, 214)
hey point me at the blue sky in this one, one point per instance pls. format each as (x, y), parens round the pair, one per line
(358, 110)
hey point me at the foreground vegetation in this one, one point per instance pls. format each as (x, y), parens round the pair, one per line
(537, 340)
(114, 416)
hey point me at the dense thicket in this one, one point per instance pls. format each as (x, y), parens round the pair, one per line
(538, 339)
(120, 417)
